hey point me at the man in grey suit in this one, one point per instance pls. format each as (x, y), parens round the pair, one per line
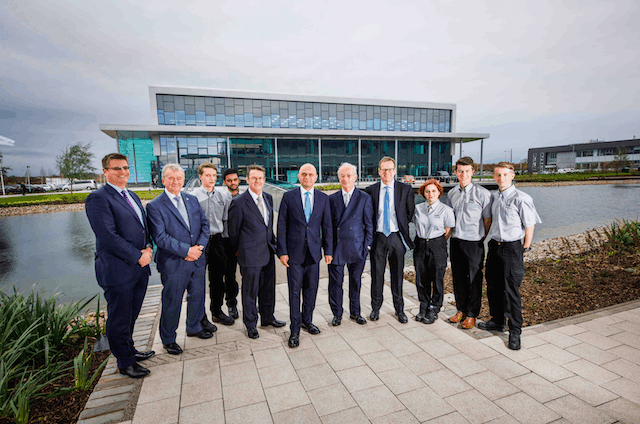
(352, 216)
(180, 229)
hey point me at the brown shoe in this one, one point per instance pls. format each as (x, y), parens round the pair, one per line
(468, 323)
(457, 317)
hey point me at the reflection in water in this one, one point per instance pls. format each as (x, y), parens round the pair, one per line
(6, 250)
(82, 245)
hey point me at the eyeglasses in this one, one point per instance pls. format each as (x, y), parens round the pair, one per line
(119, 168)
(387, 169)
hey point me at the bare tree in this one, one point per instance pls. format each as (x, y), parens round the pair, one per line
(620, 160)
(75, 162)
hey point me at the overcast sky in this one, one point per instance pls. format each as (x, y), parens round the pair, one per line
(528, 73)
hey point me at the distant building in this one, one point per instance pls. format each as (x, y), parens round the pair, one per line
(283, 131)
(594, 155)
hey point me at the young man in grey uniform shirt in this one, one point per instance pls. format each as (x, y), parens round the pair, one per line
(514, 217)
(215, 204)
(471, 205)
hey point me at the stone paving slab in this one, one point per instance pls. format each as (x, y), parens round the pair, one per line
(578, 370)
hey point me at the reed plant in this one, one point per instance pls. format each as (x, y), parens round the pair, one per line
(82, 367)
(623, 235)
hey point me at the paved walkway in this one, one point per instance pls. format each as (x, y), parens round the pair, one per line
(581, 371)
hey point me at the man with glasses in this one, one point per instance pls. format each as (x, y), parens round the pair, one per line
(123, 253)
(251, 234)
(393, 207)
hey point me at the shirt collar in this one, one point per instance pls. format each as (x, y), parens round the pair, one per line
(383, 185)
(118, 189)
(254, 196)
(350, 193)
(467, 188)
(171, 195)
(508, 192)
(303, 191)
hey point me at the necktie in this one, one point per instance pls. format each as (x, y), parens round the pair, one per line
(307, 206)
(386, 214)
(264, 218)
(182, 210)
(347, 197)
(124, 194)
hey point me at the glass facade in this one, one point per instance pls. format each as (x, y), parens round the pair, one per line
(292, 154)
(255, 113)
(138, 148)
(190, 152)
(334, 153)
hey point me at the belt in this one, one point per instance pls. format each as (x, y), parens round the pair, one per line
(504, 243)
(431, 239)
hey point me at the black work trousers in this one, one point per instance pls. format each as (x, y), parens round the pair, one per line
(467, 260)
(393, 248)
(430, 261)
(505, 271)
(216, 257)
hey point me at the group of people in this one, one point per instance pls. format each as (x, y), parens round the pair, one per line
(222, 229)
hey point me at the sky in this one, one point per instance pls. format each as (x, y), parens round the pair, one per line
(530, 74)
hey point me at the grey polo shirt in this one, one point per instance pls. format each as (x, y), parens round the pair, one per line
(512, 211)
(431, 221)
(215, 206)
(470, 206)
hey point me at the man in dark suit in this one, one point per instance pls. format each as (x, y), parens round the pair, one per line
(180, 229)
(393, 206)
(251, 235)
(304, 227)
(123, 253)
(352, 216)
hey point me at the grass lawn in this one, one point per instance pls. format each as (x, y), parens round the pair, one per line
(62, 198)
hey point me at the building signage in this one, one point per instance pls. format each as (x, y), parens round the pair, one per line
(566, 160)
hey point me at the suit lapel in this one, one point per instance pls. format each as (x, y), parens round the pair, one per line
(298, 201)
(397, 194)
(254, 207)
(354, 199)
(169, 204)
(376, 198)
(123, 202)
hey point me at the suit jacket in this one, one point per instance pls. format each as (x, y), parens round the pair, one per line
(254, 241)
(404, 202)
(172, 235)
(294, 232)
(352, 227)
(120, 236)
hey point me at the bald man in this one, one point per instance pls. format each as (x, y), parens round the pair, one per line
(304, 228)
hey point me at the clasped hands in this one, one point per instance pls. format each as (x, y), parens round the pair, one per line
(284, 260)
(145, 258)
(194, 253)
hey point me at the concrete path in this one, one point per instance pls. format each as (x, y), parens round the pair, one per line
(581, 371)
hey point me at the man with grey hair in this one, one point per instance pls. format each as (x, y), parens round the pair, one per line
(180, 229)
(352, 218)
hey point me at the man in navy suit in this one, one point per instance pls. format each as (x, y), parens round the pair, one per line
(304, 227)
(123, 253)
(251, 235)
(180, 229)
(352, 215)
(393, 207)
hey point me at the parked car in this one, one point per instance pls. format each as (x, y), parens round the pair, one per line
(33, 188)
(408, 179)
(81, 185)
(442, 176)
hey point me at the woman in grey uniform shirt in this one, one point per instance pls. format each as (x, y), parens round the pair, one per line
(433, 220)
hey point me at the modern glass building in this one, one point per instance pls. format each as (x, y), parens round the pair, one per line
(283, 131)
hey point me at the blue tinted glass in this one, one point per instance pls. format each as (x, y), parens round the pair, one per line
(248, 119)
(266, 121)
(347, 124)
(284, 121)
(220, 120)
(213, 150)
(201, 118)
(239, 120)
(370, 124)
(308, 122)
(292, 121)
(181, 117)
(257, 122)
(383, 125)
(416, 126)
(398, 126)
(410, 126)
(211, 121)
(169, 118)
(191, 119)
(429, 126)
(163, 150)
(300, 123)
(275, 121)
(355, 124)
(332, 122)
(391, 126)
(340, 124)
(171, 147)
(448, 127)
(441, 129)
(160, 118)
(202, 142)
(317, 122)
(403, 125)
(325, 124)
(363, 125)
(229, 121)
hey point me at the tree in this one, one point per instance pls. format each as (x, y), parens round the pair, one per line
(5, 169)
(75, 162)
(620, 160)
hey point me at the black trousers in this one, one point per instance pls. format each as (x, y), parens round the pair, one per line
(505, 271)
(382, 248)
(467, 259)
(217, 258)
(258, 293)
(303, 283)
(430, 260)
(230, 282)
(336, 278)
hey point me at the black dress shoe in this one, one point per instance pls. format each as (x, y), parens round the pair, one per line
(294, 340)
(173, 348)
(359, 319)
(430, 317)
(336, 321)
(135, 371)
(402, 317)
(514, 341)
(202, 334)
(491, 326)
(233, 312)
(311, 328)
(253, 333)
(207, 326)
(143, 356)
(420, 317)
(222, 318)
(375, 316)
(274, 323)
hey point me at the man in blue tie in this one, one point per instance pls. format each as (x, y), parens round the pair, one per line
(393, 207)
(123, 253)
(304, 227)
(180, 229)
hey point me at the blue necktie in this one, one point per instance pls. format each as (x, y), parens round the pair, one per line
(307, 206)
(386, 214)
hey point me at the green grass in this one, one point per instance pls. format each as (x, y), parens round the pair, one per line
(62, 198)
(573, 176)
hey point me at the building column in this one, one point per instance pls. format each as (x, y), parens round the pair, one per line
(396, 157)
(275, 143)
(229, 153)
(429, 161)
(359, 158)
(320, 160)
(481, 156)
